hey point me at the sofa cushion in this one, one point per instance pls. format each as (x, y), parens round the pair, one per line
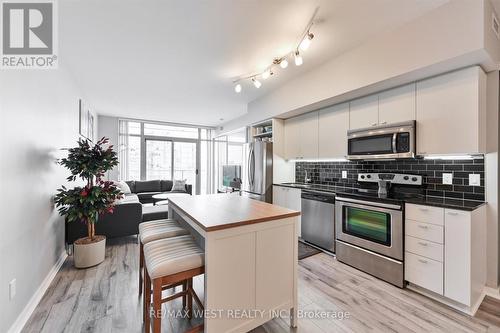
(127, 198)
(147, 186)
(122, 186)
(131, 185)
(166, 185)
(179, 186)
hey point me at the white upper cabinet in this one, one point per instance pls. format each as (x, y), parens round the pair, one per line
(364, 112)
(292, 138)
(451, 113)
(397, 105)
(332, 132)
(309, 135)
(301, 136)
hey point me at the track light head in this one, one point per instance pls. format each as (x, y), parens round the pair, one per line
(306, 42)
(237, 88)
(284, 63)
(298, 58)
(256, 83)
(267, 73)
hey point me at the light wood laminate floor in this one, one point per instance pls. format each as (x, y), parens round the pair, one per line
(105, 299)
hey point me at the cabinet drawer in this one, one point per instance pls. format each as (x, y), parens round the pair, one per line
(427, 214)
(424, 248)
(425, 231)
(424, 272)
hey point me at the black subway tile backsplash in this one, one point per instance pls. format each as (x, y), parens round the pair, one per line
(330, 173)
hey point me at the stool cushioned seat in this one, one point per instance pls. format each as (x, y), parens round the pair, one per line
(159, 229)
(172, 255)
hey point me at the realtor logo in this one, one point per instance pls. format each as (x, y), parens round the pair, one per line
(28, 34)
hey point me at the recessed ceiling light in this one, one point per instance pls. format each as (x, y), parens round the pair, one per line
(237, 88)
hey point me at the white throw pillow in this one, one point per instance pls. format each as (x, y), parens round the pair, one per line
(179, 185)
(123, 187)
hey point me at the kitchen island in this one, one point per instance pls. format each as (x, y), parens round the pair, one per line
(250, 258)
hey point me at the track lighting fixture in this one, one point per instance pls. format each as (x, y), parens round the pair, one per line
(305, 42)
(256, 83)
(298, 59)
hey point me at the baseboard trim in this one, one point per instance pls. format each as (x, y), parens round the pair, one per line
(492, 292)
(23, 317)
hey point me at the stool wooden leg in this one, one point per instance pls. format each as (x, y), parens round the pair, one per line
(146, 301)
(157, 305)
(141, 265)
(184, 298)
(190, 298)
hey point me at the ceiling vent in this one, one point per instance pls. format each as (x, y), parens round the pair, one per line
(495, 25)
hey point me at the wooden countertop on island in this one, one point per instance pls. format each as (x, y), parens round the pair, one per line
(223, 211)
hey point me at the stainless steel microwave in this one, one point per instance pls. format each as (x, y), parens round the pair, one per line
(382, 142)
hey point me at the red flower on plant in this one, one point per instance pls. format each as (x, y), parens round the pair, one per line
(84, 192)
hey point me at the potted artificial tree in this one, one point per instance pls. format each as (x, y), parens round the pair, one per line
(89, 162)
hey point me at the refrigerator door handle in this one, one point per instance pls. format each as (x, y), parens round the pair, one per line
(248, 167)
(252, 159)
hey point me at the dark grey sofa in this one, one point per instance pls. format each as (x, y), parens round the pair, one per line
(145, 189)
(124, 221)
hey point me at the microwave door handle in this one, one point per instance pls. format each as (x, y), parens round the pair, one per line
(394, 143)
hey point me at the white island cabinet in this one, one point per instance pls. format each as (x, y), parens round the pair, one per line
(250, 258)
(445, 254)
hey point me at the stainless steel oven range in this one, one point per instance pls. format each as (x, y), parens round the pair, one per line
(370, 230)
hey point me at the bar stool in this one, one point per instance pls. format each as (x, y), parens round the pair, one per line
(169, 261)
(154, 230)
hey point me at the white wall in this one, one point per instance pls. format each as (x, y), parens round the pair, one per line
(108, 127)
(452, 36)
(38, 116)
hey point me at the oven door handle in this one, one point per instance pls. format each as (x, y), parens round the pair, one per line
(369, 203)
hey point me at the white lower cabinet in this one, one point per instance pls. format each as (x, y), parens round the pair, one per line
(447, 259)
(424, 272)
(289, 198)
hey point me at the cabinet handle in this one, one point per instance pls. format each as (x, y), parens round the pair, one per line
(452, 213)
(423, 243)
(423, 261)
(422, 152)
(384, 122)
(424, 209)
(423, 226)
(374, 124)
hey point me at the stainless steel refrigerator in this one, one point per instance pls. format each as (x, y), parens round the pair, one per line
(257, 170)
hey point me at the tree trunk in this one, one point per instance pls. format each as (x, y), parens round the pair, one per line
(89, 229)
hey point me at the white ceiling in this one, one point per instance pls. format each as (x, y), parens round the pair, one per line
(175, 60)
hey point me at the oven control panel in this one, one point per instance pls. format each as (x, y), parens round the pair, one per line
(394, 178)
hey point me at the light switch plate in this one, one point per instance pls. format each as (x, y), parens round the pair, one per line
(12, 289)
(344, 174)
(447, 178)
(474, 179)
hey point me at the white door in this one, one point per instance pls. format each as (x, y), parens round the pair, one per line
(332, 133)
(450, 116)
(397, 105)
(457, 255)
(364, 112)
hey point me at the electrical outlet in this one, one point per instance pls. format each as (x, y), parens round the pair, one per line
(447, 178)
(12, 289)
(474, 179)
(344, 174)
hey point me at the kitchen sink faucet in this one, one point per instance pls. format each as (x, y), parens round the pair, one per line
(307, 180)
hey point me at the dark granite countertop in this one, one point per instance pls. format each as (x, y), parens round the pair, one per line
(467, 205)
